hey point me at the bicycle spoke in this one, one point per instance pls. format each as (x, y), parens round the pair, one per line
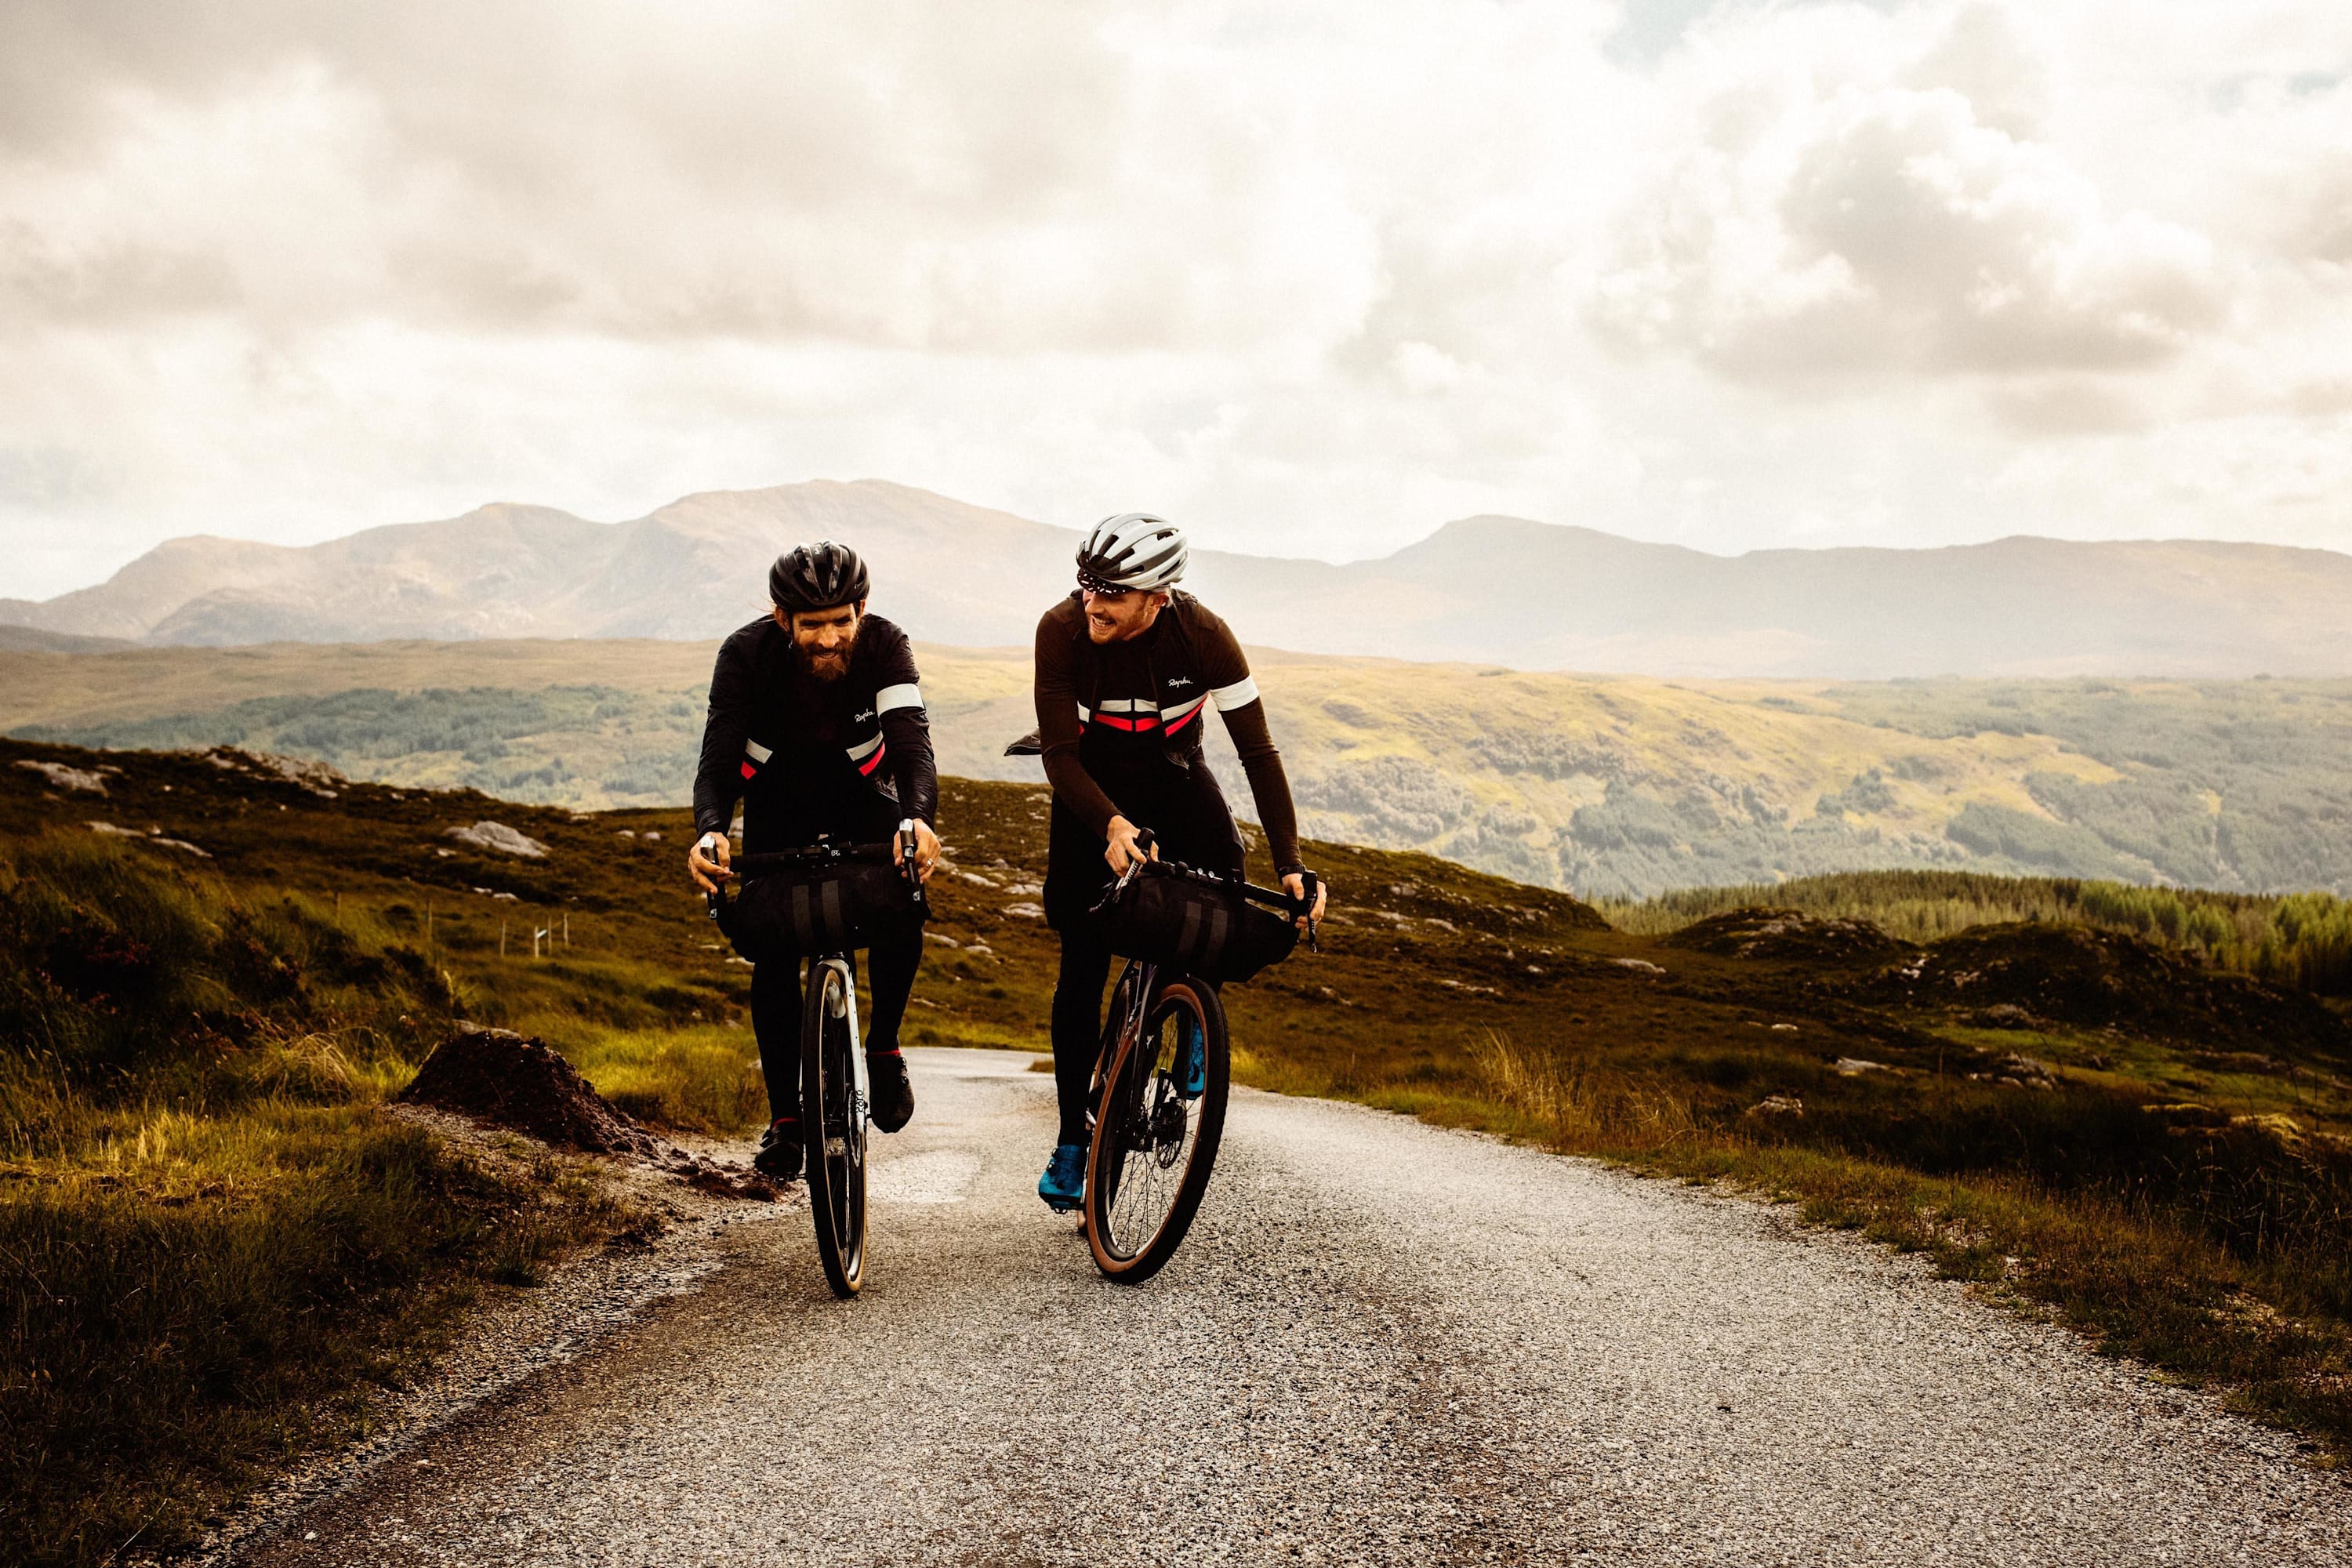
(1156, 1132)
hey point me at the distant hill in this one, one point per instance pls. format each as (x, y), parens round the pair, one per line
(32, 639)
(1605, 786)
(1502, 590)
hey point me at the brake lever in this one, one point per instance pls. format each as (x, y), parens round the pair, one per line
(1143, 842)
(1308, 884)
(910, 866)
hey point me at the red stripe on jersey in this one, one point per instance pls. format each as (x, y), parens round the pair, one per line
(1146, 722)
(870, 763)
(750, 769)
(1175, 725)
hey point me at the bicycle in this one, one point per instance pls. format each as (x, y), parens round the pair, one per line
(835, 1107)
(1158, 1098)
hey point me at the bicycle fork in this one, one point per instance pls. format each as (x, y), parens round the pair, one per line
(859, 1100)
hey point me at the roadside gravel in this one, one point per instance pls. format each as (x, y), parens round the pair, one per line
(1384, 1343)
(523, 1331)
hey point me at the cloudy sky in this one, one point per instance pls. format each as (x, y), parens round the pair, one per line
(1312, 277)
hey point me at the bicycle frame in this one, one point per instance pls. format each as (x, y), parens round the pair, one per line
(1146, 978)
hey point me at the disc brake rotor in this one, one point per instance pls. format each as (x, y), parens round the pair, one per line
(1168, 1128)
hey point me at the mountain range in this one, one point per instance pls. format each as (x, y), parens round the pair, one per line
(1490, 590)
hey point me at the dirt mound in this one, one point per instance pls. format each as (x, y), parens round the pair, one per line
(2076, 975)
(1786, 934)
(497, 1075)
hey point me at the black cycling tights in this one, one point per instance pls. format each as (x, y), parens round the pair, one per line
(1077, 1028)
(776, 1015)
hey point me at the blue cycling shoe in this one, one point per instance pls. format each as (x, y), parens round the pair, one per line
(1191, 1057)
(1063, 1185)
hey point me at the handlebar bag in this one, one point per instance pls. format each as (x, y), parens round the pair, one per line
(805, 913)
(1162, 916)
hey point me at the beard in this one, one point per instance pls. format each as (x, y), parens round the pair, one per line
(826, 667)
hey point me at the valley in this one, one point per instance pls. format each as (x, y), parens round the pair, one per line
(1620, 786)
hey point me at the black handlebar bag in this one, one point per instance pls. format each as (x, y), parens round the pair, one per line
(805, 912)
(1163, 916)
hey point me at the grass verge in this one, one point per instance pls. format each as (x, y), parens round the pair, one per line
(213, 1247)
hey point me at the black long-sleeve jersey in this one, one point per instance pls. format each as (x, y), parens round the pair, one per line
(808, 756)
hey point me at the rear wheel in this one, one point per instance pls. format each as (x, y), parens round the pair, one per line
(834, 1121)
(1157, 1131)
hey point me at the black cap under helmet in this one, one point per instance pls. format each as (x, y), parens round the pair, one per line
(817, 577)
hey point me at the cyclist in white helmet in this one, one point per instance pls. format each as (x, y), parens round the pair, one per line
(1125, 667)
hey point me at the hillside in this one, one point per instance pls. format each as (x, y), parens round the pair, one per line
(1623, 786)
(202, 1001)
(1506, 590)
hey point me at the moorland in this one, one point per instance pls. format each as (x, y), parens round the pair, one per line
(215, 1252)
(1607, 786)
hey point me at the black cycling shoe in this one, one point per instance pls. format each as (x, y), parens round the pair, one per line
(893, 1096)
(779, 1158)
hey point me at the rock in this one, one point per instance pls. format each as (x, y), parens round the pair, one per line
(2028, 1072)
(1777, 1105)
(504, 840)
(1854, 1067)
(1643, 965)
(153, 837)
(1026, 912)
(63, 777)
(515, 1081)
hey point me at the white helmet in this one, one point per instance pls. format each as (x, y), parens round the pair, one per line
(1133, 550)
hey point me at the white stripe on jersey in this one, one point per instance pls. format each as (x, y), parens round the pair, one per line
(1240, 694)
(756, 751)
(1130, 705)
(859, 753)
(1172, 714)
(907, 696)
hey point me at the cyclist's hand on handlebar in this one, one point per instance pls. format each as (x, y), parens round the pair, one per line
(927, 849)
(1294, 884)
(707, 861)
(1124, 849)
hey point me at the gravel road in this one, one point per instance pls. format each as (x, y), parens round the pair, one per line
(1383, 1343)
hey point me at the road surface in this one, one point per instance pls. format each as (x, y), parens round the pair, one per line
(1383, 1343)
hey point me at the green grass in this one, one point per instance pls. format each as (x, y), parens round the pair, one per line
(701, 1080)
(213, 1247)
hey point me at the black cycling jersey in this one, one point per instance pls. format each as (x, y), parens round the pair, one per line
(1119, 728)
(808, 756)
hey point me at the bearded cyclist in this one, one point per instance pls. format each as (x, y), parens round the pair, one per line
(1125, 666)
(817, 726)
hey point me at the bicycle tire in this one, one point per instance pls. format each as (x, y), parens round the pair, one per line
(1132, 1137)
(836, 1129)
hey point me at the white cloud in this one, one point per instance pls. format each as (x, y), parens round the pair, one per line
(1316, 275)
(1843, 205)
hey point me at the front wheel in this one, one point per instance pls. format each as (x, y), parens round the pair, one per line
(833, 1116)
(1156, 1131)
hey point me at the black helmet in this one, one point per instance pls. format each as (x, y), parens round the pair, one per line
(817, 577)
